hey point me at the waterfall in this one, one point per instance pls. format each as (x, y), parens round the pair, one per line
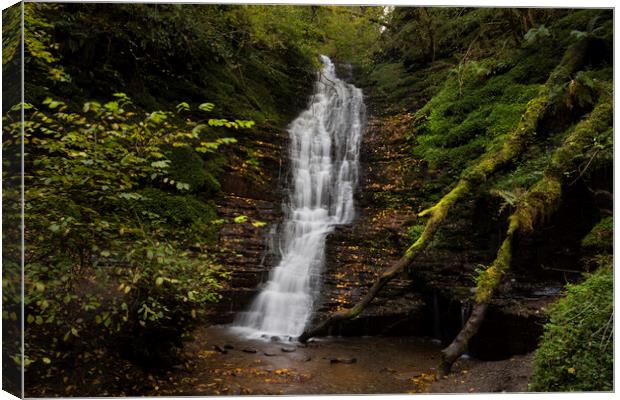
(324, 159)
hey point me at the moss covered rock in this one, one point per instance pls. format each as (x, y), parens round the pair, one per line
(601, 237)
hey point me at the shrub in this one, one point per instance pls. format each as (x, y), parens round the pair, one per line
(576, 351)
(186, 166)
(190, 217)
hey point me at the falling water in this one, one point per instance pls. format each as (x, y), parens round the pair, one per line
(324, 154)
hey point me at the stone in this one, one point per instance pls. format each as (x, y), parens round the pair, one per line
(220, 349)
(343, 360)
(288, 349)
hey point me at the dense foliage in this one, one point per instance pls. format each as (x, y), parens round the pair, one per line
(101, 250)
(576, 350)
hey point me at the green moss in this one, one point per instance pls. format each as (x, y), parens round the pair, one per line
(576, 350)
(459, 124)
(488, 280)
(414, 232)
(527, 171)
(601, 237)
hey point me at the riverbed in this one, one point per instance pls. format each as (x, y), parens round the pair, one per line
(220, 362)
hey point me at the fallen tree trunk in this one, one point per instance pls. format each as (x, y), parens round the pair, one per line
(490, 162)
(538, 203)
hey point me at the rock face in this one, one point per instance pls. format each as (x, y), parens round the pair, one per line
(243, 248)
(356, 254)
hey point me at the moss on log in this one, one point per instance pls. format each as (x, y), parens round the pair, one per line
(541, 200)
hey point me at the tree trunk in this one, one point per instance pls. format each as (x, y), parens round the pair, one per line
(459, 345)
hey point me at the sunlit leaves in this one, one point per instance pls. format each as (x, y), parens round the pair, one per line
(206, 107)
(182, 107)
(240, 219)
(236, 124)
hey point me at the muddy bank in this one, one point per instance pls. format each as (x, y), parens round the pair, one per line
(221, 363)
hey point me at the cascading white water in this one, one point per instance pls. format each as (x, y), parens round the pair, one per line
(324, 153)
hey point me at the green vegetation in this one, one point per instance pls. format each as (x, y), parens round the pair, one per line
(91, 217)
(576, 349)
(600, 238)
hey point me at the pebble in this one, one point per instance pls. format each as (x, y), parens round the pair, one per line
(249, 350)
(342, 360)
(288, 349)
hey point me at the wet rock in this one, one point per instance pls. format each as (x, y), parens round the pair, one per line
(269, 353)
(220, 349)
(343, 360)
(275, 339)
(288, 349)
(250, 350)
(229, 346)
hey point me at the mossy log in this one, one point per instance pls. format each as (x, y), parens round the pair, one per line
(541, 200)
(491, 161)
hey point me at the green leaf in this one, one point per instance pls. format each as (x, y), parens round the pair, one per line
(182, 107)
(240, 219)
(206, 107)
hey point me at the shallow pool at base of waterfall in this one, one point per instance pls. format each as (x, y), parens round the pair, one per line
(221, 362)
